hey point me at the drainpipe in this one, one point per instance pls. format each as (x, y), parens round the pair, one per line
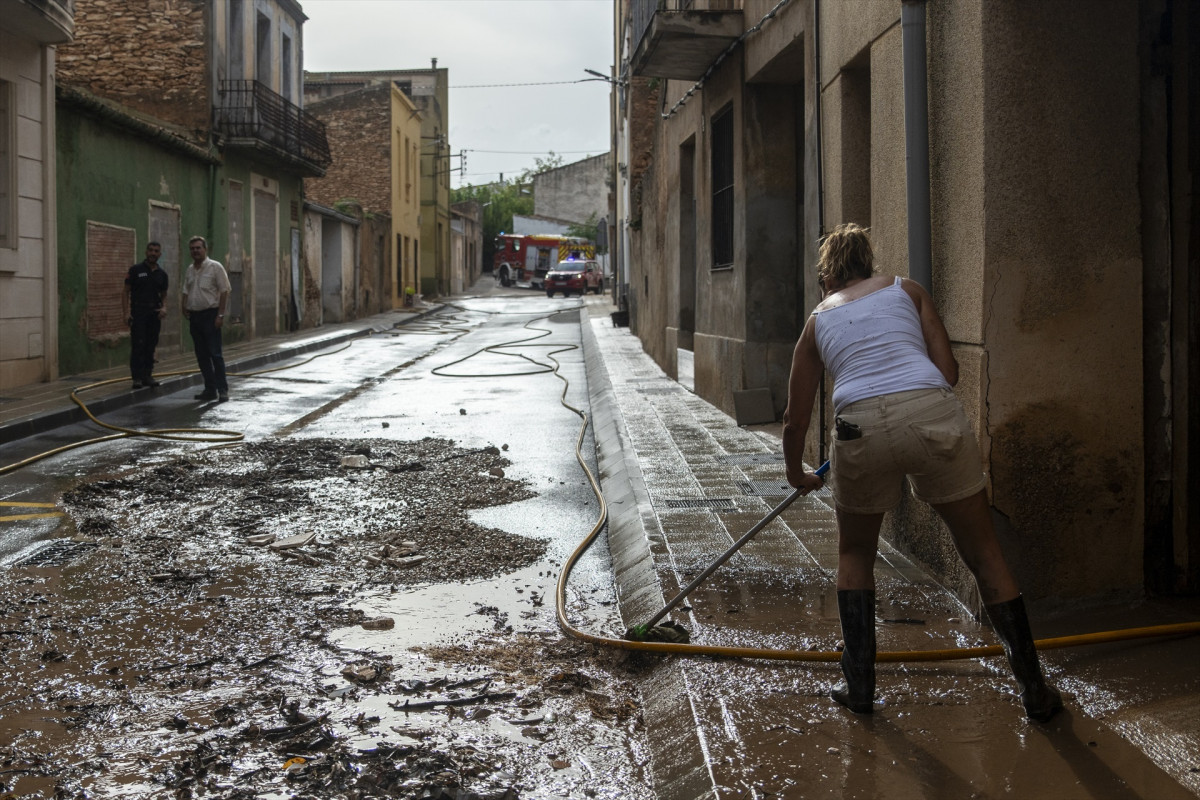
(916, 142)
(822, 446)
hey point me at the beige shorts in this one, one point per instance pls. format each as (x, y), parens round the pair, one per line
(923, 434)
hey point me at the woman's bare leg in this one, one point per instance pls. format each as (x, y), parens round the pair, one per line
(970, 523)
(858, 542)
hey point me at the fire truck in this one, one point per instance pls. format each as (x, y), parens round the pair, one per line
(524, 259)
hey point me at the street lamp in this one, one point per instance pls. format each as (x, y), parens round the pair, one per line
(603, 77)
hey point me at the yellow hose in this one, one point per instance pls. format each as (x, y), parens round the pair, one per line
(169, 434)
(948, 654)
(224, 436)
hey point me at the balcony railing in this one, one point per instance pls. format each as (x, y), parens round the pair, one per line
(642, 15)
(250, 110)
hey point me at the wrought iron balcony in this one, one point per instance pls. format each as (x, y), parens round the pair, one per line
(676, 39)
(250, 114)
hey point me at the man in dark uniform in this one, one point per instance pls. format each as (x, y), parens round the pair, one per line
(144, 304)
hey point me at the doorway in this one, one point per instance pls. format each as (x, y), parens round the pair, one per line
(686, 321)
(332, 300)
(266, 291)
(165, 229)
(1170, 185)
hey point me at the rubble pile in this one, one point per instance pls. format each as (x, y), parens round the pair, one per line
(186, 647)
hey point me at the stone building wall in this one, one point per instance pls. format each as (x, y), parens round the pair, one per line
(357, 126)
(150, 56)
(644, 100)
(575, 192)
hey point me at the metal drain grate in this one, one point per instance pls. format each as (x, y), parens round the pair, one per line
(765, 488)
(713, 504)
(57, 554)
(657, 390)
(751, 458)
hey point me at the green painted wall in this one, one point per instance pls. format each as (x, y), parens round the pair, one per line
(112, 176)
(109, 175)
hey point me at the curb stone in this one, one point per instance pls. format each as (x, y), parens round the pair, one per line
(678, 764)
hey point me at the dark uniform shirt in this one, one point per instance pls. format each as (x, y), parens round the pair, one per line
(147, 287)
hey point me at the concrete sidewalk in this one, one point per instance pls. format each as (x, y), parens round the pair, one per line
(683, 481)
(41, 407)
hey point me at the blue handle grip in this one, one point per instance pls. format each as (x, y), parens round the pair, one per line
(821, 470)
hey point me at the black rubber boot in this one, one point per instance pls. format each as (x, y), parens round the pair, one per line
(856, 607)
(1011, 624)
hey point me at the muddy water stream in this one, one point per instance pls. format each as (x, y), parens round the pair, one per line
(310, 618)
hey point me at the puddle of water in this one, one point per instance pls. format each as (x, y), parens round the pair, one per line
(441, 613)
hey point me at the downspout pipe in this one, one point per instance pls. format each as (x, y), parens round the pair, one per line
(916, 142)
(821, 410)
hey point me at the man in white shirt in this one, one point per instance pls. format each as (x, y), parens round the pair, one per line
(205, 294)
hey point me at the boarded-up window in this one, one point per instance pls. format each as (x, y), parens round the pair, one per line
(110, 252)
(164, 229)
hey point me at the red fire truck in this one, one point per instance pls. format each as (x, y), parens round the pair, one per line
(524, 259)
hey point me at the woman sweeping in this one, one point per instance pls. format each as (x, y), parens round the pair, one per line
(896, 416)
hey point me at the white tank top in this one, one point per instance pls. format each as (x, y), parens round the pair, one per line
(873, 346)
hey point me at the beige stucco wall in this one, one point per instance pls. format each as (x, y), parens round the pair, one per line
(1036, 254)
(285, 20)
(745, 317)
(1034, 152)
(1063, 287)
(28, 263)
(889, 212)
(775, 37)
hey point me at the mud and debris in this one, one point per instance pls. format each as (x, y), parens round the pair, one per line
(191, 648)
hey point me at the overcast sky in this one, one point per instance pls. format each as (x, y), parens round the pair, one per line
(485, 42)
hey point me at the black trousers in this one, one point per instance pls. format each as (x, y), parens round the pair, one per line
(144, 328)
(206, 338)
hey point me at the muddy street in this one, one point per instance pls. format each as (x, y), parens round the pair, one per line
(356, 600)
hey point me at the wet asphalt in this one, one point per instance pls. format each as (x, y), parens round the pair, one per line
(716, 728)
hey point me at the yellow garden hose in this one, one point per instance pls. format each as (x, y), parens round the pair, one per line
(226, 436)
(948, 654)
(170, 434)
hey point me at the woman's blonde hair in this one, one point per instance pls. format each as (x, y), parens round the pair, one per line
(846, 254)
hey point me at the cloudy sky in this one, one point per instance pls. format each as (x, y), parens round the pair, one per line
(483, 43)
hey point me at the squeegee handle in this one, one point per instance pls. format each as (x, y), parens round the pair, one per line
(728, 554)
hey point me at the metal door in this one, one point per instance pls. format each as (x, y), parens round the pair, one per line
(164, 229)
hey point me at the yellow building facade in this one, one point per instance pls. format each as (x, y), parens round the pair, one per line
(406, 197)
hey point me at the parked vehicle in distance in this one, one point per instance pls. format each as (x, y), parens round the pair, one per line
(574, 275)
(524, 259)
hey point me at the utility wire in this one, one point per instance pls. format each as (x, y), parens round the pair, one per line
(536, 152)
(540, 83)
